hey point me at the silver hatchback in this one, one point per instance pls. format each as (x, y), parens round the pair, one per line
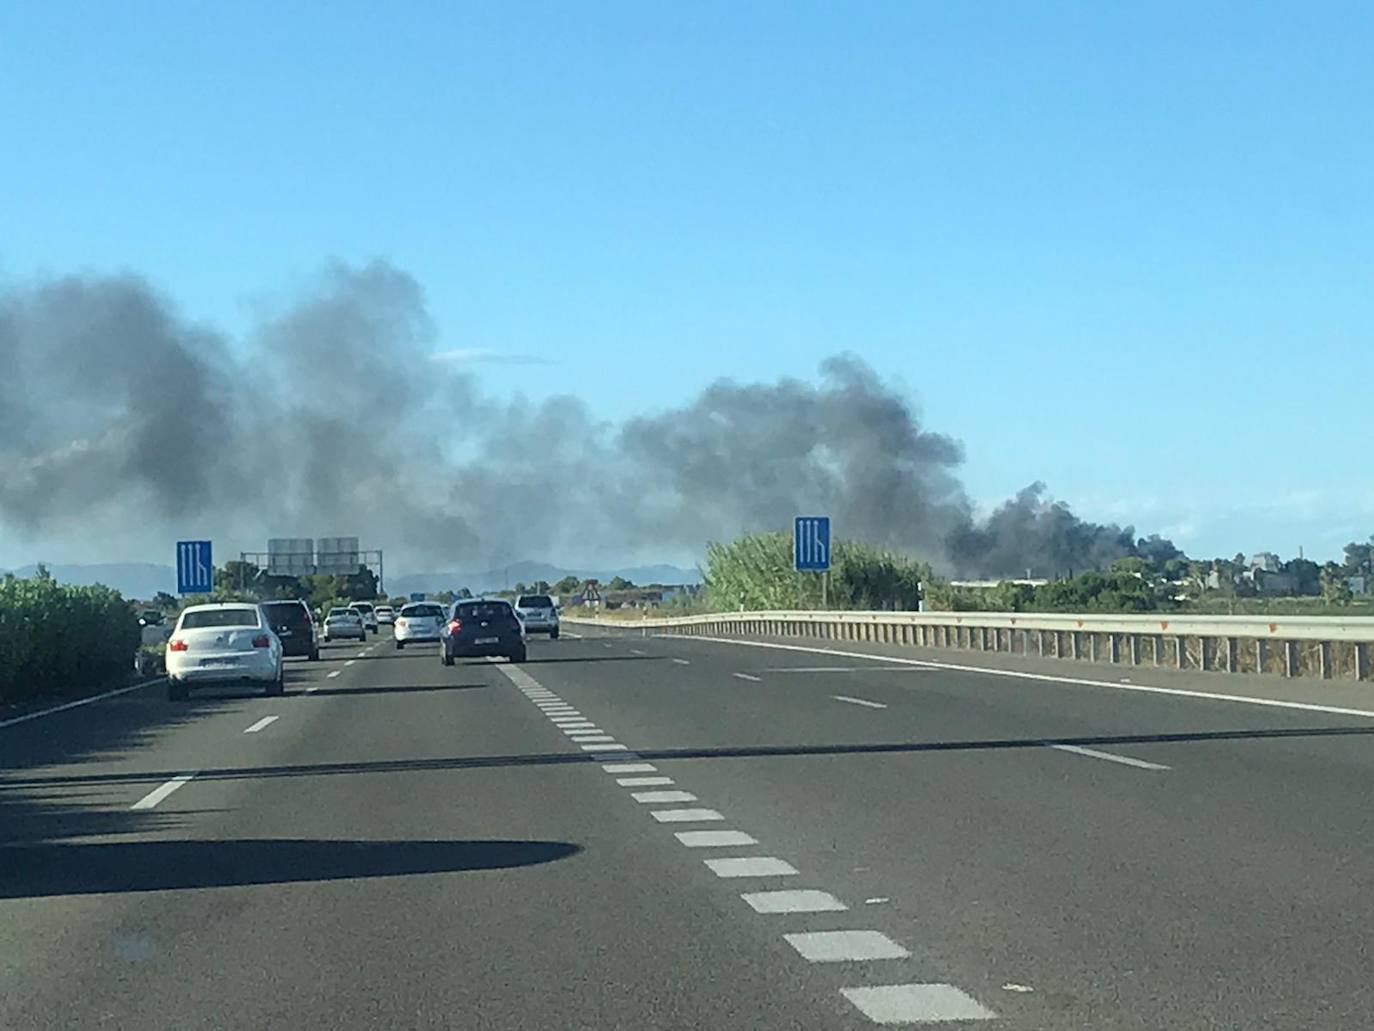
(538, 613)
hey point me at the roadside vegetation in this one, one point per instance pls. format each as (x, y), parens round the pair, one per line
(57, 639)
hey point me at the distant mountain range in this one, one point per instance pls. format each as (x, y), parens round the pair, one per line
(142, 580)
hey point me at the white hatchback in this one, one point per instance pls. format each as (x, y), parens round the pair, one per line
(419, 621)
(228, 643)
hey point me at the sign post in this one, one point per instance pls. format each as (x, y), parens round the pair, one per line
(195, 570)
(811, 550)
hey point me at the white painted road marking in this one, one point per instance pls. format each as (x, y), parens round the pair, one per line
(350, 662)
(858, 701)
(312, 688)
(580, 738)
(804, 901)
(843, 669)
(335, 673)
(608, 646)
(714, 839)
(845, 946)
(682, 662)
(686, 815)
(643, 782)
(604, 748)
(916, 1004)
(574, 726)
(265, 721)
(752, 866)
(1124, 760)
(629, 768)
(638, 651)
(155, 796)
(661, 797)
(746, 676)
(1211, 696)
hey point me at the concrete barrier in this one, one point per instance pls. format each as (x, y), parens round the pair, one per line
(1291, 646)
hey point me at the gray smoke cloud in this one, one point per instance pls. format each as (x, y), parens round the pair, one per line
(121, 422)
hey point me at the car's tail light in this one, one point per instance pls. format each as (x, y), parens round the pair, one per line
(177, 645)
(261, 641)
(453, 625)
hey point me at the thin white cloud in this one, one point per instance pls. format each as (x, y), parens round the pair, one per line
(486, 356)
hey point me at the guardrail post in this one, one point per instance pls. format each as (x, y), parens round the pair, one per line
(1360, 664)
(1114, 648)
(1092, 646)
(1076, 643)
(1290, 658)
(1230, 655)
(1259, 654)
(1181, 648)
(1135, 649)
(1324, 658)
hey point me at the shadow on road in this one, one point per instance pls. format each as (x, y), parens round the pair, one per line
(36, 870)
(476, 762)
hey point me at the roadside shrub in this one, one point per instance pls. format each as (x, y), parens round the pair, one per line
(57, 638)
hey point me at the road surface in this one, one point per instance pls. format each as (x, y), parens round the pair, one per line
(674, 833)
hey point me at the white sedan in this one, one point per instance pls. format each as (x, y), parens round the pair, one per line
(227, 643)
(419, 621)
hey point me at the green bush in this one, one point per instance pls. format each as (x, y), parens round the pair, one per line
(756, 572)
(56, 638)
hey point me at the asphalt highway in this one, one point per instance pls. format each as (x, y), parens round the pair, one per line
(639, 832)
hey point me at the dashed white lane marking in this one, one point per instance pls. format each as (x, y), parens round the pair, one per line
(877, 900)
(643, 782)
(264, 722)
(714, 839)
(686, 815)
(604, 748)
(350, 662)
(570, 727)
(682, 662)
(608, 646)
(155, 796)
(845, 946)
(333, 674)
(629, 767)
(803, 901)
(751, 866)
(312, 688)
(661, 797)
(638, 651)
(916, 1004)
(858, 701)
(747, 676)
(591, 738)
(1124, 760)
(570, 635)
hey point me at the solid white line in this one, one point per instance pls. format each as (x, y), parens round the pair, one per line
(335, 673)
(1124, 760)
(629, 767)
(604, 748)
(746, 676)
(682, 662)
(1178, 692)
(686, 815)
(807, 901)
(916, 1004)
(662, 797)
(643, 782)
(264, 722)
(858, 701)
(714, 839)
(155, 796)
(845, 946)
(580, 738)
(841, 669)
(80, 702)
(751, 866)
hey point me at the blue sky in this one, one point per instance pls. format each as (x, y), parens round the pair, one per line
(1125, 249)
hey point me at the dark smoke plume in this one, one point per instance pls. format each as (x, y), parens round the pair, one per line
(122, 423)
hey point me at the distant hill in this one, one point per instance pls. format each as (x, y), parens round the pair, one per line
(140, 580)
(530, 572)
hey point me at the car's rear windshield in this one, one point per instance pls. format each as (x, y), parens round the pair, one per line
(421, 611)
(484, 610)
(219, 617)
(292, 612)
(535, 601)
(363, 605)
(342, 614)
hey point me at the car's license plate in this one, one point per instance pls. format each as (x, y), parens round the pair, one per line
(486, 640)
(224, 661)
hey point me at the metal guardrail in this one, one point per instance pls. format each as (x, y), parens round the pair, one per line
(1316, 646)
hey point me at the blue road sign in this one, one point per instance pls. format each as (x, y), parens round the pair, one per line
(195, 571)
(811, 544)
(417, 595)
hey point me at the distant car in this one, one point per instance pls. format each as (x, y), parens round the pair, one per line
(539, 614)
(223, 643)
(482, 627)
(386, 615)
(294, 624)
(151, 617)
(369, 614)
(343, 622)
(419, 621)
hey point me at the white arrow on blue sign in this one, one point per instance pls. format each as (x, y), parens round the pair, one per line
(195, 570)
(811, 544)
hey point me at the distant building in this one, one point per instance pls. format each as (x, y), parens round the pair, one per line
(1274, 583)
(1265, 561)
(1358, 584)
